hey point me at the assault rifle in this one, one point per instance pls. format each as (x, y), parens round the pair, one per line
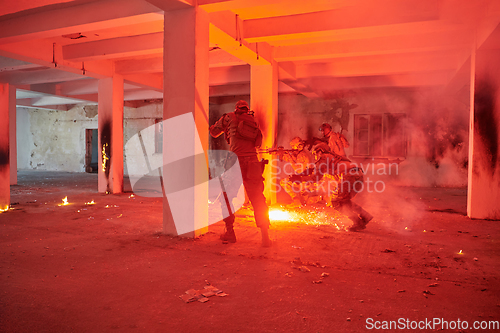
(276, 151)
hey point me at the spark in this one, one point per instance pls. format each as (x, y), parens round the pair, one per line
(65, 201)
(105, 157)
(460, 252)
(280, 215)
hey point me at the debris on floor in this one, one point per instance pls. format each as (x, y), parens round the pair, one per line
(202, 295)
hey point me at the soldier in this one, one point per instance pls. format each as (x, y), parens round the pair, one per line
(336, 141)
(300, 160)
(339, 179)
(243, 136)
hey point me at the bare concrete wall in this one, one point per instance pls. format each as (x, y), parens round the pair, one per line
(55, 140)
(437, 130)
(58, 139)
(24, 138)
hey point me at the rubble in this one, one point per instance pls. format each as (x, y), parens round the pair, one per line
(202, 295)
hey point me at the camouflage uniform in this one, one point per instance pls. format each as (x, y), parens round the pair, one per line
(339, 180)
(251, 167)
(300, 161)
(337, 142)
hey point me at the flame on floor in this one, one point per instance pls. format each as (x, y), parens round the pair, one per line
(90, 203)
(310, 215)
(4, 209)
(280, 215)
(65, 201)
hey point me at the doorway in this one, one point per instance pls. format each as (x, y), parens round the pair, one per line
(91, 150)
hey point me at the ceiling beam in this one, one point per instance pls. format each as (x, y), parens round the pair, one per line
(147, 81)
(369, 13)
(382, 64)
(44, 53)
(141, 65)
(42, 75)
(229, 75)
(224, 33)
(154, 64)
(376, 46)
(420, 79)
(115, 47)
(61, 20)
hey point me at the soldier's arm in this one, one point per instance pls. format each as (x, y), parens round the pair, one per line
(218, 128)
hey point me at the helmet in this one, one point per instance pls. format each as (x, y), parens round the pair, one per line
(296, 142)
(325, 125)
(242, 105)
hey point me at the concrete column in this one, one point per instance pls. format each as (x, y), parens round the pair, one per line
(185, 127)
(12, 136)
(4, 147)
(264, 101)
(484, 136)
(110, 132)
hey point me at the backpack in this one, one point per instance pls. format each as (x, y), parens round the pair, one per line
(246, 129)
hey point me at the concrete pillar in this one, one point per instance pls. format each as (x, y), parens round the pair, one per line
(12, 136)
(264, 101)
(185, 127)
(484, 136)
(4, 147)
(110, 132)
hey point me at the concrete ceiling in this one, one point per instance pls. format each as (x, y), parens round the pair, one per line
(54, 51)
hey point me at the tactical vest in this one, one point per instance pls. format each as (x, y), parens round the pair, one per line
(242, 126)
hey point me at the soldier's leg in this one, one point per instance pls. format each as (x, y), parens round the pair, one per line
(294, 190)
(228, 210)
(254, 185)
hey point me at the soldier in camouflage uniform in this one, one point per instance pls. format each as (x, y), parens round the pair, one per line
(244, 136)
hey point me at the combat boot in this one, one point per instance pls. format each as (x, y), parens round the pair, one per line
(229, 236)
(266, 241)
(358, 224)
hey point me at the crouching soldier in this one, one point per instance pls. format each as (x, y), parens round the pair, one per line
(339, 180)
(243, 136)
(336, 178)
(299, 160)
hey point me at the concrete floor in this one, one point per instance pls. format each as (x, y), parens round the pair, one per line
(108, 267)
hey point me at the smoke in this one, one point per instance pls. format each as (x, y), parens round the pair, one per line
(437, 142)
(394, 208)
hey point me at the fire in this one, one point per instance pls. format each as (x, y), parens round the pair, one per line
(90, 203)
(280, 215)
(309, 215)
(4, 209)
(65, 201)
(105, 157)
(460, 252)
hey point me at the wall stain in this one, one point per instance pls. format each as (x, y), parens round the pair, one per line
(4, 158)
(485, 120)
(106, 145)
